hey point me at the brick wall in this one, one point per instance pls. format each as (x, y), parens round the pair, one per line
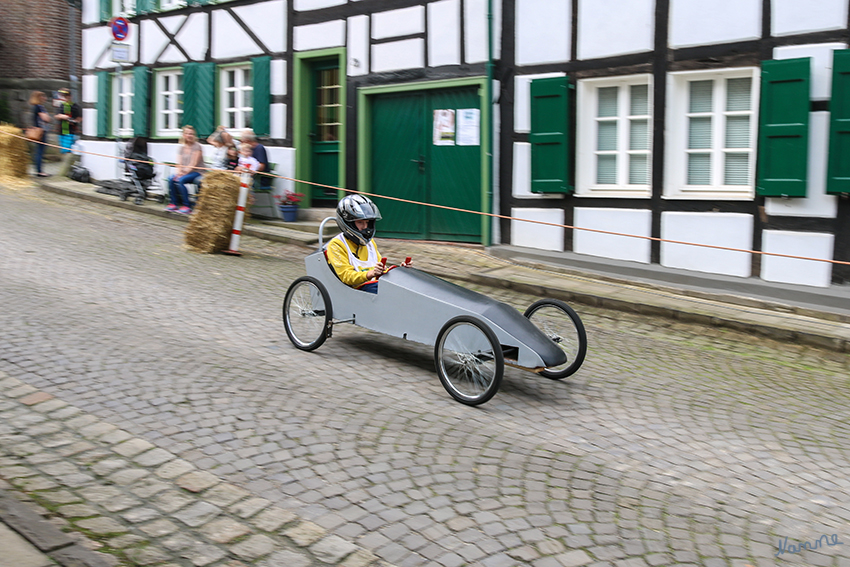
(35, 39)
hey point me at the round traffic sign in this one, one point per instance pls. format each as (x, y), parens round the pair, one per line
(120, 28)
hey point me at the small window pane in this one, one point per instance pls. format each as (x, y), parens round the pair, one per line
(246, 81)
(738, 132)
(638, 170)
(737, 169)
(699, 169)
(180, 82)
(248, 97)
(639, 100)
(231, 78)
(607, 136)
(700, 99)
(699, 133)
(738, 94)
(639, 135)
(608, 101)
(231, 120)
(249, 119)
(231, 99)
(606, 170)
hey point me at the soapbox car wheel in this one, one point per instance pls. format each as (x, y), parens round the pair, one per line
(307, 313)
(563, 326)
(469, 360)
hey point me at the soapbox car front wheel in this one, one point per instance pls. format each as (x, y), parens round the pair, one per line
(469, 360)
(307, 313)
(562, 325)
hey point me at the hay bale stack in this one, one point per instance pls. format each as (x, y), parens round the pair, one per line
(14, 153)
(211, 223)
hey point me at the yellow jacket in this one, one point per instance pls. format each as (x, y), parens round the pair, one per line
(338, 259)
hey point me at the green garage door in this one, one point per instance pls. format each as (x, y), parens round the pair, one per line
(408, 162)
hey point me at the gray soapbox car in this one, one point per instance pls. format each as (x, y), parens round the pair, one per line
(474, 336)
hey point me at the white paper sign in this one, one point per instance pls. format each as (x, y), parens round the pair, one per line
(444, 127)
(468, 127)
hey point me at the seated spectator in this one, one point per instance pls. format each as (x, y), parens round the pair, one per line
(222, 140)
(232, 160)
(247, 162)
(189, 158)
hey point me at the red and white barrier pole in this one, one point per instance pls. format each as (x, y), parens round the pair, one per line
(236, 233)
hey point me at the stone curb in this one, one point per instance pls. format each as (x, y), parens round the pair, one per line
(140, 498)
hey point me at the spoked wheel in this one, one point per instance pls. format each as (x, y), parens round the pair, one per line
(563, 326)
(307, 313)
(469, 360)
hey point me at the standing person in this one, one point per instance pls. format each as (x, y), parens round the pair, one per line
(69, 118)
(40, 118)
(190, 156)
(258, 151)
(222, 140)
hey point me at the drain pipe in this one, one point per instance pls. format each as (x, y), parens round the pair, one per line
(489, 110)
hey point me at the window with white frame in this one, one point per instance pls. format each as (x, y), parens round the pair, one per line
(169, 102)
(124, 7)
(614, 137)
(237, 106)
(712, 128)
(122, 104)
(171, 4)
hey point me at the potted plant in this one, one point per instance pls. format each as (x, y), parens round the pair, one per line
(288, 205)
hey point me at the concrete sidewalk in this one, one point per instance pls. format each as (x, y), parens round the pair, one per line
(800, 314)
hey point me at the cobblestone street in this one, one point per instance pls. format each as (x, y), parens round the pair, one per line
(149, 398)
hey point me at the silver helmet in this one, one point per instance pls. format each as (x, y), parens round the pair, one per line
(353, 208)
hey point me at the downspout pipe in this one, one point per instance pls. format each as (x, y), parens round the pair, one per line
(489, 110)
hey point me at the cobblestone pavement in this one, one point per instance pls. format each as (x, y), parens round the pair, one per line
(674, 444)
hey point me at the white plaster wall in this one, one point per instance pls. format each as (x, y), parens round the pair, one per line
(395, 23)
(89, 122)
(285, 160)
(444, 33)
(820, 80)
(154, 41)
(793, 270)
(305, 5)
(229, 39)
(732, 230)
(405, 54)
(540, 236)
(358, 45)
(625, 221)
(278, 76)
(172, 23)
(89, 85)
(193, 36)
(277, 115)
(521, 186)
(522, 99)
(172, 55)
(615, 27)
(97, 47)
(268, 21)
(817, 203)
(90, 12)
(543, 31)
(475, 24)
(318, 36)
(99, 167)
(700, 22)
(798, 16)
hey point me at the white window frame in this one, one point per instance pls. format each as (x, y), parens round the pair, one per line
(123, 7)
(170, 4)
(122, 120)
(176, 97)
(676, 153)
(587, 105)
(239, 89)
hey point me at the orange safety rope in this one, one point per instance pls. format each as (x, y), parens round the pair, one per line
(493, 215)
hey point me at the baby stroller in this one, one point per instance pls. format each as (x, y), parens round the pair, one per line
(139, 173)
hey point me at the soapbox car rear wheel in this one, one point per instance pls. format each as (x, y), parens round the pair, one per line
(307, 313)
(469, 360)
(562, 325)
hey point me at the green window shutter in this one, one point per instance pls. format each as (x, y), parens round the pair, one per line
(103, 104)
(199, 97)
(141, 100)
(105, 10)
(838, 168)
(145, 6)
(262, 94)
(784, 128)
(550, 148)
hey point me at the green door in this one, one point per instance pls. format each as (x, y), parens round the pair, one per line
(410, 162)
(324, 133)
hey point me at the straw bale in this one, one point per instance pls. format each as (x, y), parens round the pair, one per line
(14, 153)
(211, 223)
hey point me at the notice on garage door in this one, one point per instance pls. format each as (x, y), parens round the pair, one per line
(468, 127)
(444, 127)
